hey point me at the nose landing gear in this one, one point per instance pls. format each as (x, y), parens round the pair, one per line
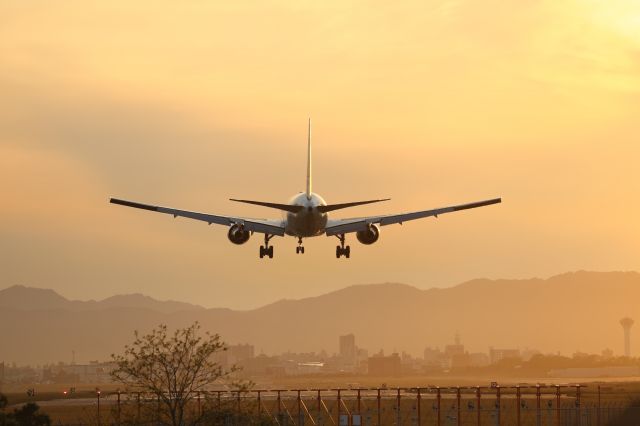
(266, 250)
(300, 248)
(342, 250)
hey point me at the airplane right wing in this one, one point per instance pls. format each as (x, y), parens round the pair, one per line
(264, 226)
(345, 226)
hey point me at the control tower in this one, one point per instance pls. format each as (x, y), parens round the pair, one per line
(626, 324)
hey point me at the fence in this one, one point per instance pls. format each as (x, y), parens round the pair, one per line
(558, 405)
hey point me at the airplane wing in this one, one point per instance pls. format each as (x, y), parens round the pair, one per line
(264, 226)
(345, 226)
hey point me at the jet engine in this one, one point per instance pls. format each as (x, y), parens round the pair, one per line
(369, 235)
(238, 235)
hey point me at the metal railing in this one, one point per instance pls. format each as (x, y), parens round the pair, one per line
(538, 405)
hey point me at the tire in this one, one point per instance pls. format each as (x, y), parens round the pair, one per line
(302, 250)
(297, 250)
(338, 252)
(347, 252)
(270, 250)
(261, 252)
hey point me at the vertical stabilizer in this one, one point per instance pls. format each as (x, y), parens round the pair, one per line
(309, 161)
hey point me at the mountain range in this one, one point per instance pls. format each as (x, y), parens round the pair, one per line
(577, 311)
(33, 299)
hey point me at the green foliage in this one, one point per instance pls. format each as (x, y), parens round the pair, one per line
(27, 415)
(3, 404)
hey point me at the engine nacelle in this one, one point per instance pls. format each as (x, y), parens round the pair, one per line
(237, 234)
(369, 235)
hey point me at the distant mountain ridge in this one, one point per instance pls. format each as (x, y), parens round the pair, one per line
(31, 298)
(576, 311)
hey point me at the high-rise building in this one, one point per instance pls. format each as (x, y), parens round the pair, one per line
(348, 347)
(385, 365)
(455, 349)
(496, 355)
(626, 324)
(234, 354)
(432, 355)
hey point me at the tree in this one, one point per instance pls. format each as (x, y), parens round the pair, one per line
(175, 368)
(28, 415)
(3, 404)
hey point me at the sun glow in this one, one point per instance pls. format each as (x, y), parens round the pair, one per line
(186, 104)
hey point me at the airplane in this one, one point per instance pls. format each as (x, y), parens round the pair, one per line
(305, 216)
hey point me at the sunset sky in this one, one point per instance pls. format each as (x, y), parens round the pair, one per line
(430, 103)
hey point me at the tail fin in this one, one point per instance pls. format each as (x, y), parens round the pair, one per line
(309, 161)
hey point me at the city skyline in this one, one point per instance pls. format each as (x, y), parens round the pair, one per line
(377, 314)
(349, 358)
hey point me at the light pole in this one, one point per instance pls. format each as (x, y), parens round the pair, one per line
(98, 395)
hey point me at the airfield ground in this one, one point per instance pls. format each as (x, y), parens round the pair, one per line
(614, 398)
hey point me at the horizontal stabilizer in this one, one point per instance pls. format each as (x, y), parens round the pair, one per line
(332, 207)
(285, 207)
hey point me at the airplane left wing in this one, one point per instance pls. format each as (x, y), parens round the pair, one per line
(264, 226)
(345, 226)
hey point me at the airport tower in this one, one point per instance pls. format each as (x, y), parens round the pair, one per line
(626, 324)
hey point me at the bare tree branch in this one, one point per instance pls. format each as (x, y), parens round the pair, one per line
(174, 368)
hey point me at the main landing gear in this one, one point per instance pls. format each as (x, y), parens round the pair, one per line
(342, 250)
(266, 250)
(299, 249)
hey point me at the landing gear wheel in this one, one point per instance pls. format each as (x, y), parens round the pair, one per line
(266, 250)
(341, 250)
(302, 250)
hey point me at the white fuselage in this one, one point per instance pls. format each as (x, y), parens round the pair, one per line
(308, 222)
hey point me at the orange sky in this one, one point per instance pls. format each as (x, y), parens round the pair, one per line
(429, 103)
